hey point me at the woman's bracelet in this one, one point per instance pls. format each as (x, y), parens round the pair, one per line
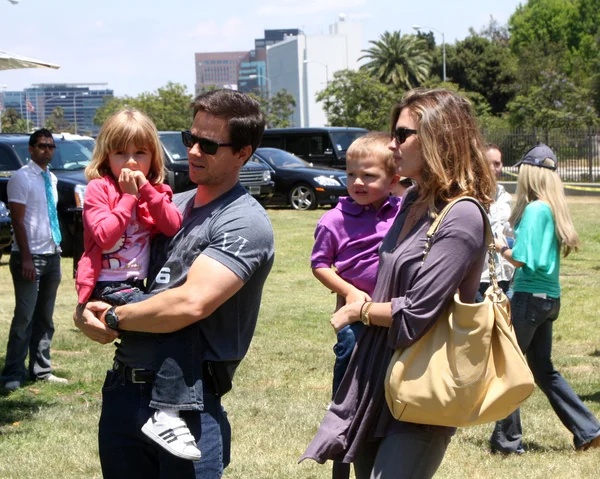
(364, 312)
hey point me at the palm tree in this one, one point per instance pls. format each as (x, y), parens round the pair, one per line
(401, 60)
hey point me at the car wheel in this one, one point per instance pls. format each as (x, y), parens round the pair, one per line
(303, 197)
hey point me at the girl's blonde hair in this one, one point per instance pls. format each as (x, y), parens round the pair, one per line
(122, 128)
(453, 151)
(544, 184)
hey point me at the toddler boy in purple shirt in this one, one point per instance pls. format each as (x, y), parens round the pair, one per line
(347, 237)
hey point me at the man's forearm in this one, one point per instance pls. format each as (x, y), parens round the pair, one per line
(165, 312)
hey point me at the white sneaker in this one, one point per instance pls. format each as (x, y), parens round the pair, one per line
(55, 379)
(174, 436)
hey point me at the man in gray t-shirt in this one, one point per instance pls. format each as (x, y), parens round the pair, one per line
(205, 287)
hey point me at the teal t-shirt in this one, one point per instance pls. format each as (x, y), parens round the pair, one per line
(536, 245)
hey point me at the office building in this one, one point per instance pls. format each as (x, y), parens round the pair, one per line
(304, 64)
(78, 101)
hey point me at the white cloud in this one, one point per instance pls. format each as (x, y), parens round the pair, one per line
(307, 7)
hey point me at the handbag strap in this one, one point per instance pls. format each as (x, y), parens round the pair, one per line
(489, 236)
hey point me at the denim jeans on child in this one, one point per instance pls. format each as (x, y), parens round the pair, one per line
(532, 318)
(126, 453)
(32, 326)
(346, 340)
(178, 382)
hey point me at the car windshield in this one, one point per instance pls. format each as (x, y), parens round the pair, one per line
(87, 143)
(281, 159)
(67, 156)
(174, 146)
(70, 156)
(343, 139)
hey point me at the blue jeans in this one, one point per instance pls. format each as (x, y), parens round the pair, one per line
(32, 326)
(178, 383)
(532, 319)
(126, 453)
(119, 293)
(346, 340)
(483, 287)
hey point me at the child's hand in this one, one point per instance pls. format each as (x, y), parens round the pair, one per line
(356, 294)
(346, 315)
(140, 179)
(127, 182)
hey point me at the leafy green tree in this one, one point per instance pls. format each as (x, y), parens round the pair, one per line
(13, 122)
(57, 122)
(400, 60)
(355, 98)
(278, 109)
(281, 109)
(168, 107)
(556, 102)
(481, 65)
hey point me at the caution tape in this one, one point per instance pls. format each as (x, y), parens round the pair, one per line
(567, 186)
(582, 188)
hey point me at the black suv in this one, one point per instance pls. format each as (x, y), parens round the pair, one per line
(254, 176)
(326, 146)
(68, 164)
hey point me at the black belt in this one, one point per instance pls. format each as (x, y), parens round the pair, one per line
(135, 375)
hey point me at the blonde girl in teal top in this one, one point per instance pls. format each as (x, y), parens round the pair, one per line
(543, 230)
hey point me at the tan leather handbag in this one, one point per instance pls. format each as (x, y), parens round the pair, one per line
(468, 368)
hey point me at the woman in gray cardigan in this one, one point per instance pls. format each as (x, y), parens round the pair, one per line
(436, 143)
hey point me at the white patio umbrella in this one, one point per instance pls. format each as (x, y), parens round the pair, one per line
(12, 60)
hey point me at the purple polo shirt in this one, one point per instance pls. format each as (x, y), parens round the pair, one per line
(348, 237)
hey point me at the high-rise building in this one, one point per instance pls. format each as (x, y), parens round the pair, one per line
(220, 69)
(78, 101)
(243, 71)
(304, 65)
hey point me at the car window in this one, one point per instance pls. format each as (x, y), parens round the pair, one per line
(343, 139)
(271, 141)
(70, 156)
(318, 145)
(281, 159)
(7, 162)
(89, 144)
(297, 145)
(174, 146)
(23, 152)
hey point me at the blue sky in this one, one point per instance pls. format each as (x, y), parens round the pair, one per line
(140, 45)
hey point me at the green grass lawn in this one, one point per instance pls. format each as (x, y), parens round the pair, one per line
(282, 388)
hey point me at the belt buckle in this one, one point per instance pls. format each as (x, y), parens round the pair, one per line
(133, 376)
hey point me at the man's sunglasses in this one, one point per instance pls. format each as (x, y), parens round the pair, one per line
(46, 146)
(209, 147)
(401, 134)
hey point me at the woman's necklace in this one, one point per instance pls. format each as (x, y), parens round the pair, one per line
(415, 213)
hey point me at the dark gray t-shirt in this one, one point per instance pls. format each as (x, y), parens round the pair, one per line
(233, 230)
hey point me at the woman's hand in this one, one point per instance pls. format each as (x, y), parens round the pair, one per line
(87, 320)
(348, 314)
(127, 182)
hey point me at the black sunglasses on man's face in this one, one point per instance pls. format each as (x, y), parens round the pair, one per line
(401, 134)
(44, 146)
(209, 147)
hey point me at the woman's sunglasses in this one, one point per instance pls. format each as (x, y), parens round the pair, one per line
(401, 134)
(207, 146)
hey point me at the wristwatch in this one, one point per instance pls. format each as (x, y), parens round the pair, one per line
(111, 318)
(503, 249)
